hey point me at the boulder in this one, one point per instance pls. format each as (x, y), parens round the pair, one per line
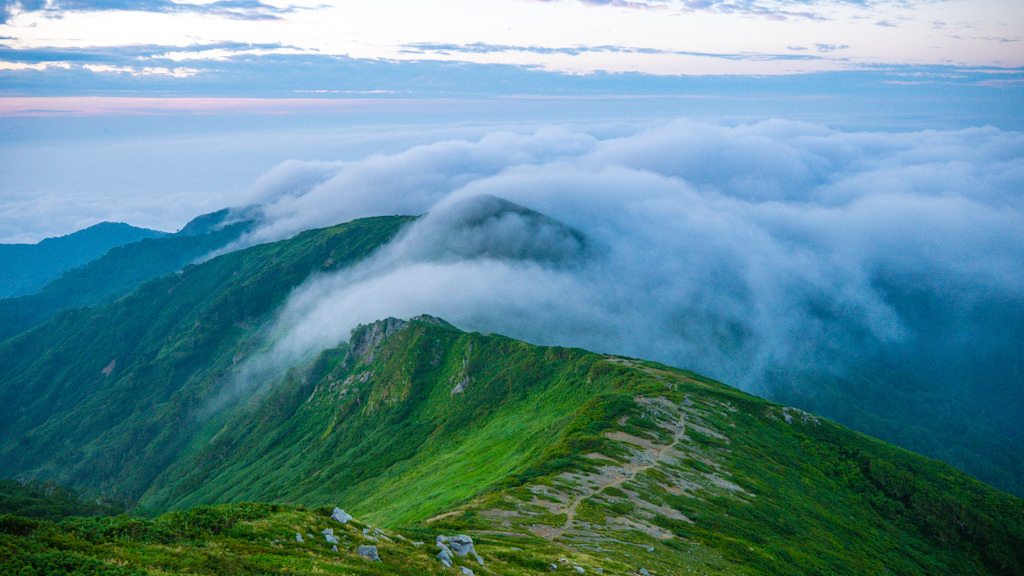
(334, 548)
(340, 516)
(445, 557)
(466, 571)
(331, 538)
(462, 545)
(298, 538)
(369, 552)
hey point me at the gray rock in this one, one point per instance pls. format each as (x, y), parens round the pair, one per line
(579, 569)
(445, 556)
(298, 538)
(462, 545)
(466, 571)
(310, 536)
(514, 549)
(369, 552)
(331, 538)
(644, 572)
(334, 548)
(340, 516)
(366, 530)
(327, 531)
(552, 567)
(417, 544)
(441, 540)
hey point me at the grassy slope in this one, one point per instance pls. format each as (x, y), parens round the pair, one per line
(720, 483)
(743, 486)
(168, 344)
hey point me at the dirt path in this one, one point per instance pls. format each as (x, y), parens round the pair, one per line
(634, 467)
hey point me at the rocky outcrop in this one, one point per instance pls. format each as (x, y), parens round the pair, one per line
(460, 545)
(340, 516)
(365, 338)
(368, 552)
(329, 536)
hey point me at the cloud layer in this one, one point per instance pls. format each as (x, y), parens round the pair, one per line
(737, 251)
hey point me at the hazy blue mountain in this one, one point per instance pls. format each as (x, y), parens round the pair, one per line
(120, 270)
(26, 268)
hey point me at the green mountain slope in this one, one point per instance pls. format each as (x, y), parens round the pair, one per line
(539, 453)
(546, 456)
(25, 268)
(119, 271)
(418, 423)
(103, 399)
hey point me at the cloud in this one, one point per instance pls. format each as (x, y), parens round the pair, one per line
(743, 252)
(232, 9)
(825, 48)
(484, 48)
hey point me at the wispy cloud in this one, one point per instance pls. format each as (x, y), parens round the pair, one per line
(233, 9)
(484, 48)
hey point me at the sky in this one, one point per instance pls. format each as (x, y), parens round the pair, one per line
(399, 47)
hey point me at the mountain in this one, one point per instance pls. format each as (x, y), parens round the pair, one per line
(544, 457)
(171, 399)
(26, 268)
(121, 270)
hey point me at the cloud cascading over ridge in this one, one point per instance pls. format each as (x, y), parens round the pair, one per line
(731, 250)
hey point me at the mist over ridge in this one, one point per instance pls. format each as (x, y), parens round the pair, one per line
(773, 256)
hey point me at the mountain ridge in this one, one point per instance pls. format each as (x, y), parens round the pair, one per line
(27, 268)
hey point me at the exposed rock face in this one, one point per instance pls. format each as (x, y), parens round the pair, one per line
(340, 516)
(369, 552)
(366, 338)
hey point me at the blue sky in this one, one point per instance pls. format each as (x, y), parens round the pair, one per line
(251, 47)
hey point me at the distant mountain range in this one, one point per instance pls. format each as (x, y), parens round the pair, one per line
(118, 271)
(169, 398)
(26, 268)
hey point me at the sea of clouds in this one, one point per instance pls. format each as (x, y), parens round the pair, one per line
(736, 251)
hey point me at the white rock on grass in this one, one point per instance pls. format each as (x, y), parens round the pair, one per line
(445, 556)
(369, 552)
(340, 516)
(298, 538)
(466, 571)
